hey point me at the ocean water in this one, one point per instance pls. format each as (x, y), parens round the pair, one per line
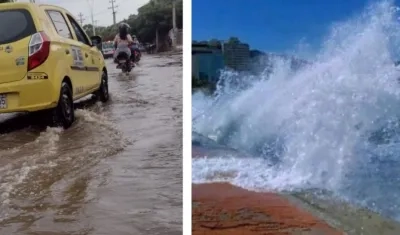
(332, 125)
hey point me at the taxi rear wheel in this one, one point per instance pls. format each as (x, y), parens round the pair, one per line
(102, 92)
(64, 114)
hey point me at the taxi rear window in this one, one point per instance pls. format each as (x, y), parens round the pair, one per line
(15, 25)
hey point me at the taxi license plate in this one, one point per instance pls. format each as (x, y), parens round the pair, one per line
(3, 101)
(122, 61)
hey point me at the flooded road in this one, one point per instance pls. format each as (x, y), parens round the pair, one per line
(116, 171)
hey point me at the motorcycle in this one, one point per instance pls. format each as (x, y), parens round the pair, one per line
(136, 54)
(124, 62)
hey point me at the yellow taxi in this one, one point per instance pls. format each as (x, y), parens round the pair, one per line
(47, 61)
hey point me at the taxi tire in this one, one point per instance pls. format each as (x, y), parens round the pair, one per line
(64, 114)
(102, 93)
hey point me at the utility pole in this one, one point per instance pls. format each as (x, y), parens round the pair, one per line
(174, 30)
(113, 10)
(91, 5)
(81, 19)
(93, 22)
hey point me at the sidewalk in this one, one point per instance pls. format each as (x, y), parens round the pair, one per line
(177, 51)
(220, 208)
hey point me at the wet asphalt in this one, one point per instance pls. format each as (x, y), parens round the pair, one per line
(117, 170)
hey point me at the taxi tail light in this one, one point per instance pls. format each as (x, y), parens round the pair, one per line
(39, 50)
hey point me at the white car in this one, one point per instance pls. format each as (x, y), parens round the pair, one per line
(108, 52)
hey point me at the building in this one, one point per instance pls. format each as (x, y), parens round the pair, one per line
(207, 62)
(236, 55)
(262, 62)
(259, 61)
(209, 58)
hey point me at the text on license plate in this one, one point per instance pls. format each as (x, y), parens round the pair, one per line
(122, 61)
(3, 101)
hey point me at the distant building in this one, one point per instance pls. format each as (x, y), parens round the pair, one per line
(207, 61)
(236, 56)
(262, 62)
(259, 62)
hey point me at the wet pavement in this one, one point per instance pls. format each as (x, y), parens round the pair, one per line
(116, 171)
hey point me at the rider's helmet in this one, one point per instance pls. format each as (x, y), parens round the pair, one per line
(123, 29)
(124, 25)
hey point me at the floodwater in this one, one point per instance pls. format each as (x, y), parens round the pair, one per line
(117, 171)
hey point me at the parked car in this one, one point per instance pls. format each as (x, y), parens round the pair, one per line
(47, 62)
(108, 50)
(141, 47)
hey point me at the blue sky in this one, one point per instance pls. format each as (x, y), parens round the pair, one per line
(270, 25)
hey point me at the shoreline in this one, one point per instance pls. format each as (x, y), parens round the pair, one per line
(221, 208)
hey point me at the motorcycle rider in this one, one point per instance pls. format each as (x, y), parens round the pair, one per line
(135, 40)
(135, 48)
(122, 41)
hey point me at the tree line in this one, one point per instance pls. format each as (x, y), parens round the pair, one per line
(153, 19)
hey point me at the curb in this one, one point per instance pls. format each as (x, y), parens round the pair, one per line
(221, 208)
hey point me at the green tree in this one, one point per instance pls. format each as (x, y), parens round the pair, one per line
(88, 29)
(153, 21)
(233, 40)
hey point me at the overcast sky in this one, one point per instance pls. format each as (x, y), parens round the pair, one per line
(101, 13)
